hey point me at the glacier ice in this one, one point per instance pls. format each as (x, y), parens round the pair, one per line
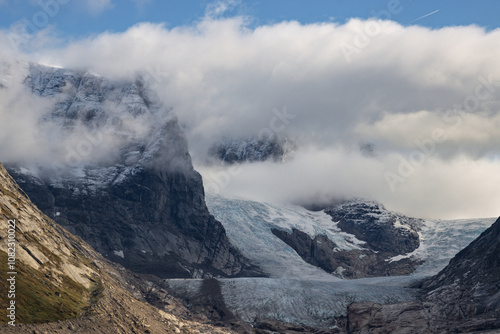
(297, 292)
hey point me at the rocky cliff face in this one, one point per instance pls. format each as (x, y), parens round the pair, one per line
(387, 236)
(463, 298)
(42, 257)
(61, 285)
(139, 202)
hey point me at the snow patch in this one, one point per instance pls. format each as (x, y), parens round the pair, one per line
(119, 253)
(397, 224)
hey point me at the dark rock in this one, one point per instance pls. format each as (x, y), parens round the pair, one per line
(403, 318)
(323, 253)
(267, 326)
(386, 235)
(382, 230)
(467, 291)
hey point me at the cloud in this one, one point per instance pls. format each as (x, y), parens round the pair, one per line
(21, 137)
(394, 89)
(447, 189)
(218, 8)
(98, 6)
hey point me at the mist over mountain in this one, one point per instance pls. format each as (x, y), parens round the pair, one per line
(116, 171)
(428, 109)
(251, 167)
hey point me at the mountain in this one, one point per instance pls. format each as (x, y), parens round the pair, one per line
(252, 149)
(113, 167)
(386, 235)
(464, 297)
(57, 283)
(304, 294)
(352, 239)
(138, 202)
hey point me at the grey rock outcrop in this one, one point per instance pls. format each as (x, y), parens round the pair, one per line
(404, 318)
(466, 293)
(322, 252)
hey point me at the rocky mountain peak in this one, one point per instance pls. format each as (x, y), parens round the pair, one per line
(123, 178)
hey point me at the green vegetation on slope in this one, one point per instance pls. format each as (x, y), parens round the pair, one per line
(38, 299)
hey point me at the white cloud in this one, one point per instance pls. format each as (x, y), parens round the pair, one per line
(99, 6)
(457, 188)
(225, 79)
(218, 8)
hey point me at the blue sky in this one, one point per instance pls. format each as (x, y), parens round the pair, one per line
(76, 19)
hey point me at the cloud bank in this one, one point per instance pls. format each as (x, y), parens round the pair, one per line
(426, 100)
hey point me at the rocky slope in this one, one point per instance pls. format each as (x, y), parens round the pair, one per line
(382, 230)
(138, 202)
(463, 298)
(323, 253)
(62, 285)
(467, 292)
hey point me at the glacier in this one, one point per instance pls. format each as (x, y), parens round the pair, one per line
(297, 292)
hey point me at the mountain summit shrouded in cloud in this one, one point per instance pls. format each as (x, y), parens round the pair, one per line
(426, 101)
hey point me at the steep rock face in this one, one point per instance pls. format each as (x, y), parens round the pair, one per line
(139, 203)
(467, 292)
(62, 285)
(403, 318)
(43, 259)
(463, 298)
(477, 263)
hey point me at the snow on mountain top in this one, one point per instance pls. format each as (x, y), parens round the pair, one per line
(97, 130)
